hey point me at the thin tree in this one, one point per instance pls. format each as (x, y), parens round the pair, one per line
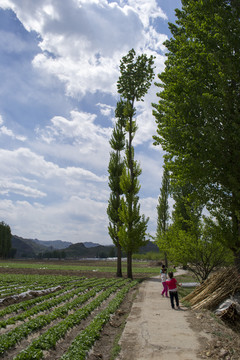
(5, 240)
(163, 211)
(133, 84)
(115, 169)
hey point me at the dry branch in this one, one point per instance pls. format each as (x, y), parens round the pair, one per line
(215, 289)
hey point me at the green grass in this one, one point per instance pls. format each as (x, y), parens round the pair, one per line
(98, 266)
(183, 279)
(154, 256)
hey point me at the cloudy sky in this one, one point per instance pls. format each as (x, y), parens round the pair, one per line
(59, 65)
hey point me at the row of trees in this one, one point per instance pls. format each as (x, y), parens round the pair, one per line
(190, 239)
(198, 127)
(198, 118)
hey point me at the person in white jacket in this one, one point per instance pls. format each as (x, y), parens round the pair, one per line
(164, 282)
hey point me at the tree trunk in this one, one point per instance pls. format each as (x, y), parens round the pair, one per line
(237, 260)
(129, 265)
(166, 259)
(119, 261)
(237, 252)
(236, 231)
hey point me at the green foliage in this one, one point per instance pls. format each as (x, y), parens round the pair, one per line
(71, 312)
(184, 291)
(194, 243)
(149, 256)
(201, 253)
(5, 240)
(115, 169)
(163, 207)
(133, 84)
(84, 341)
(198, 109)
(136, 76)
(100, 267)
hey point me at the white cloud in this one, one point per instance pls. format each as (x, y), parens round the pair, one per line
(151, 177)
(78, 139)
(7, 187)
(74, 220)
(106, 110)
(82, 42)
(24, 161)
(147, 10)
(56, 185)
(149, 209)
(7, 132)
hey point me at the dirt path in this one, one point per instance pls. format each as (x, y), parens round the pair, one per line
(154, 331)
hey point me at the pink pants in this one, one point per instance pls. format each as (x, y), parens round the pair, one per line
(165, 288)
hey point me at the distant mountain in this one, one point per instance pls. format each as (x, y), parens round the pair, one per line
(55, 244)
(79, 250)
(26, 248)
(90, 244)
(59, 244)
(150, 247)
(34, 248)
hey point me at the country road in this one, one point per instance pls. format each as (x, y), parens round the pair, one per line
(154, 331)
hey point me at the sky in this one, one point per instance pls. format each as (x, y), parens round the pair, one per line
(59, 66)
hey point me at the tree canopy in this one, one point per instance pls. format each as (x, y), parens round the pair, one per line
(5, 240)
(198, 113)
(115, 169)
(163, 211)
(136, 74)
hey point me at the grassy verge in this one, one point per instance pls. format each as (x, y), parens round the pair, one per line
(116, 347)
(188, 277)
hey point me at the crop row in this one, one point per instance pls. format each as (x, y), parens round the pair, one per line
(48, 304)
(9, 339)
(24, 305)
(15, 283)
(86, 339)
(49, 339)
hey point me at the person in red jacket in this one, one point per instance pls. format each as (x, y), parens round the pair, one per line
(172, 289)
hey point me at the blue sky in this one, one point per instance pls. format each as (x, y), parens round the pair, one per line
(59, 65)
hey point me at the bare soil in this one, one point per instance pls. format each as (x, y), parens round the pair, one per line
(225, 338)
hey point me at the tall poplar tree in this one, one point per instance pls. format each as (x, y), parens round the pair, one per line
(115, 169)
(198, 113)
(133, 84)
(163, 212)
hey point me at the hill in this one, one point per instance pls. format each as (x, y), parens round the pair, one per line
(79, 250)
(54, 244)
(26, 248)
(34, 248)
(149, 247)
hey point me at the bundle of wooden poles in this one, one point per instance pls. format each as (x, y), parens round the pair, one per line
(217, 288)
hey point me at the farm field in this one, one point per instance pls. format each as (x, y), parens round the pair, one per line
(55, 316)
(58, 309)
(89, 268)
